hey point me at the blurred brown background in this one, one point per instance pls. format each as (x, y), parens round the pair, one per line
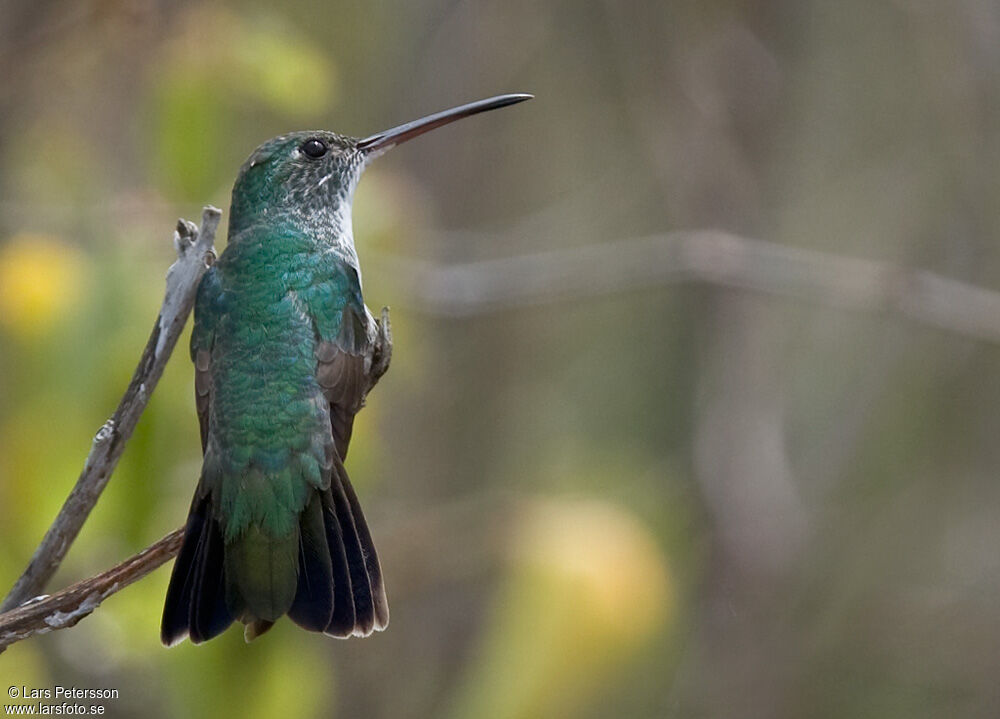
(618, 468)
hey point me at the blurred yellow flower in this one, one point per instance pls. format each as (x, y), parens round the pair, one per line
(588, 587)
(609, 563)
(41, 278)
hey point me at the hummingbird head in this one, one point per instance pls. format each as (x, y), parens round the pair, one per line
(298, 176)
(309, 177)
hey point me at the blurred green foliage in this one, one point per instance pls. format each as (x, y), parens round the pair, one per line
(222, 62)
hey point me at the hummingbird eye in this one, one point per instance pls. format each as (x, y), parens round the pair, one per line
(314, 148)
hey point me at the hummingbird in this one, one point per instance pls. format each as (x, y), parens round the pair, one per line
(280, 343)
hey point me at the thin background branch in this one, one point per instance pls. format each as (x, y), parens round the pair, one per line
(709, 256)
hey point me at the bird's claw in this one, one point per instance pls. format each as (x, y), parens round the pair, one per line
(382, 352)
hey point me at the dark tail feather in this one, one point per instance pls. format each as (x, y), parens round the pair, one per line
(342, 621)
(195, 605)
(359, 595)
(209, 613)
(369, 556)
(314, 599)
(176, 620)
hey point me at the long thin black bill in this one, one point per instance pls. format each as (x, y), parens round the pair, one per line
(382, 141)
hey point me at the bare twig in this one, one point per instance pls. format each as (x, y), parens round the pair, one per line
(66, 608)
(194, 253)
(703, 256)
